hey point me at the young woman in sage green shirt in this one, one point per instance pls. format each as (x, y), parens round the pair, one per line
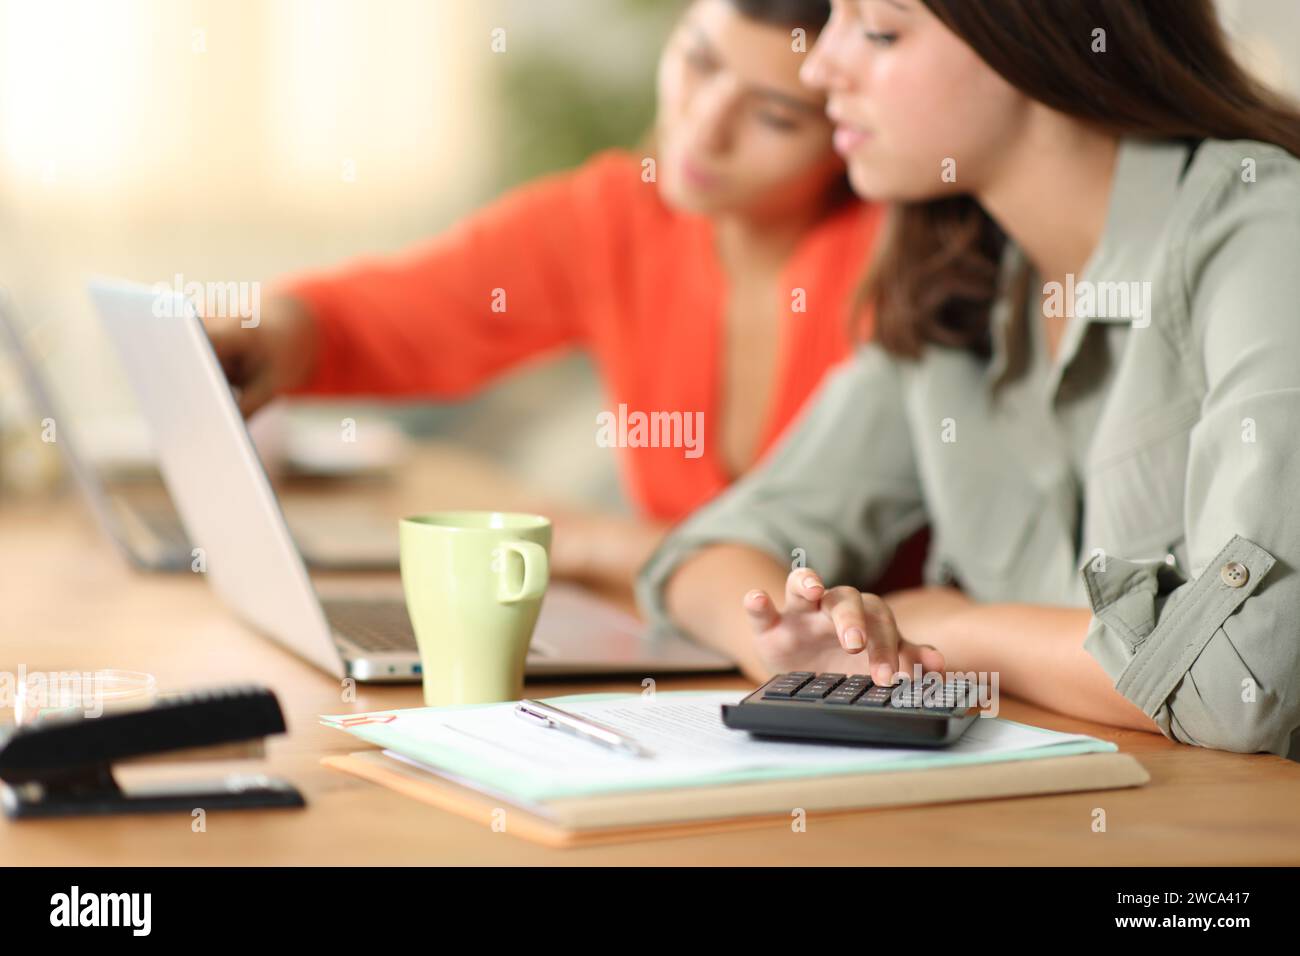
(1085, 376)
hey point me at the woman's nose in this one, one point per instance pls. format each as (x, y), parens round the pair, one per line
(821, 69)
(813, 72)
(710, 122)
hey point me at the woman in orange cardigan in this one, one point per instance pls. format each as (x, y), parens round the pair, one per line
(715, 281)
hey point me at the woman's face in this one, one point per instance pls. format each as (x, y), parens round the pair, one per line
(914, 107)
(737, 131)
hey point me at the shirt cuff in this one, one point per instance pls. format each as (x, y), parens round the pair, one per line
(1148, 629)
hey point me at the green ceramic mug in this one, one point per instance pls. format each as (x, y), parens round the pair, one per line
(474, 582)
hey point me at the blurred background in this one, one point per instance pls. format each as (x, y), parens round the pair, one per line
(244, 139)
(240, 141)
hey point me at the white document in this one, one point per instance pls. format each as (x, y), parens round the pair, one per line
(688, 740)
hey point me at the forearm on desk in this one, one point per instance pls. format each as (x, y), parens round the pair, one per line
(1039, 656)
(604, 550)
(705, 597)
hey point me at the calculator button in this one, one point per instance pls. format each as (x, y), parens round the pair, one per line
(783, 687)
(797, 680)
(842, 696)
(850, 690)
(907, 697)
(780, 693)
(817, 688)
(932, 698)
(877, 696)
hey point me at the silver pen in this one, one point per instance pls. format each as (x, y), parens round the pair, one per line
(548, 716)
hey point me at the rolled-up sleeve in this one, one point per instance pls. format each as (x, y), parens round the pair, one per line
(838, 494)
(1215, 660)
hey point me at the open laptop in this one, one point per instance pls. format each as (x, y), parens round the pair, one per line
(222, 493)
(138, 515)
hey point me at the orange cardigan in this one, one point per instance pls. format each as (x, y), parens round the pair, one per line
(587, 259)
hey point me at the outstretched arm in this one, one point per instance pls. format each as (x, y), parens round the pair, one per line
(1036, 651)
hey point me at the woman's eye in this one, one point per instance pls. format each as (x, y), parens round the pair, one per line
(880, 39)
(777, 122)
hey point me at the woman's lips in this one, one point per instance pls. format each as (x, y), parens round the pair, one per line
(848, 139)
(697, 177)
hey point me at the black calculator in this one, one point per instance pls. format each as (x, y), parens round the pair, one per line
(850, 708)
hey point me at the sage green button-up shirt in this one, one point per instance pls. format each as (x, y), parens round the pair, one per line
(1151, 472)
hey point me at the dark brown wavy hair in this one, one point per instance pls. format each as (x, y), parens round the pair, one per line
(1168, 74)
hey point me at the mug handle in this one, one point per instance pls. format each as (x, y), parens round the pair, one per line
(537, 572)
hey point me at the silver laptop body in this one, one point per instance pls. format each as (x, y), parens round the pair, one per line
(222, 493)
(138, 516)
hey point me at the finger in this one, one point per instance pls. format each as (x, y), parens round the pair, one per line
(883, 639)
(932, 658)
(803, 591)
(256, 393)
(214, 324)
(760, 610)
(911, 662)
(843, 605)
(229, 348)
(234, 368)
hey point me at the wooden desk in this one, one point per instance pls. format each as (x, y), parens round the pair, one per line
(68, 602)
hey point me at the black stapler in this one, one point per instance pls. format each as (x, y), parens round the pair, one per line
(63, 765)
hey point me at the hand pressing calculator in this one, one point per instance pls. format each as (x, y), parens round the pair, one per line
(852, 709)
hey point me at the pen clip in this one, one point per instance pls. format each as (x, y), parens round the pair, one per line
(523, 712)
(588, 729)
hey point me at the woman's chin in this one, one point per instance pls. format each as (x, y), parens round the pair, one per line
(681, 198)
(877, 184)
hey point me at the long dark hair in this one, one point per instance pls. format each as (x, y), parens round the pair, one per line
(1167, 73)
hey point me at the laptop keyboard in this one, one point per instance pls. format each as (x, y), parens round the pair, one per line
(372, 625)
(166, 529)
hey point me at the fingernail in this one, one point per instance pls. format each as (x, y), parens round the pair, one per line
(854, 639)
(884, 675)
(753, 596)
(811, 582)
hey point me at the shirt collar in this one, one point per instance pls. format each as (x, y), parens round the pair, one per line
(1147, 175)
